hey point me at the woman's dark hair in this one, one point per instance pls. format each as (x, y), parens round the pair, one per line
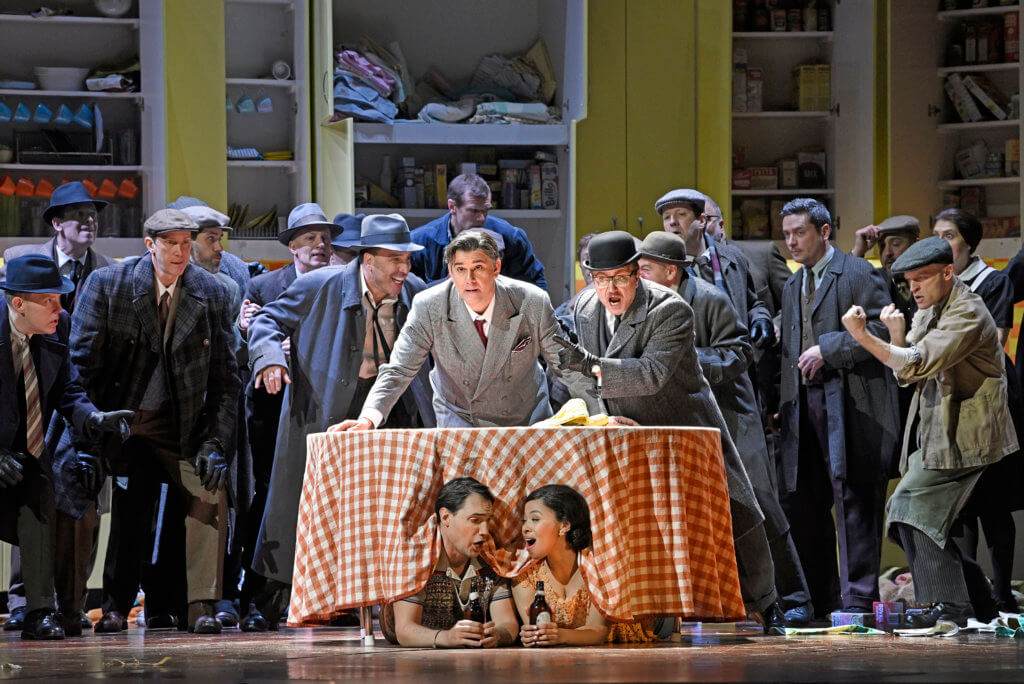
(455, 492)
(968, 225)
(569, 506)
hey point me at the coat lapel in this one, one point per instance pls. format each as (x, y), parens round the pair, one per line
(634, 316)
(464, 339)
(191, 307)
(500, 337)
(49, 356)
(8, 379)
(144, 301)
(831, 273)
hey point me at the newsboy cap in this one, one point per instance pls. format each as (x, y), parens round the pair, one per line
(681, 196)
(207, 217)
(168, 221)
(931, 250)
(663, 246)
(899, 224)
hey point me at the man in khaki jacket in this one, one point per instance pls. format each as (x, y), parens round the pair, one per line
(953, 355)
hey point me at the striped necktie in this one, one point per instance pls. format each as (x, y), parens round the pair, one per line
(34, 417)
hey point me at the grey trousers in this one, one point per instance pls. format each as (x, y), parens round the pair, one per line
(756, 569)
(36, 536)
(938, 572)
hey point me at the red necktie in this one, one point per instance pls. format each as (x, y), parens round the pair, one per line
(479, 323)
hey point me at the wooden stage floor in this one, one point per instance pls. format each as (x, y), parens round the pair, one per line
(336, 654)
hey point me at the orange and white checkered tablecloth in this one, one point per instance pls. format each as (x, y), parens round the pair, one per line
(659, 507)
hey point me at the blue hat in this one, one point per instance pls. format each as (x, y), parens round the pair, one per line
(308, 215)
(387, 231)
(184, 202)
(350, 226)
(35, 273)
(69, 193)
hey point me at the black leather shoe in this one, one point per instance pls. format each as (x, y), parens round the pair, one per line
(72, 625)
(774, 620)
(42, 625)
(254, 622)
(799, 616)
(85, 621)
(272, 602)
(161, 621)
(16, 621)
(111, 623)
(205, 624)
(951, 612)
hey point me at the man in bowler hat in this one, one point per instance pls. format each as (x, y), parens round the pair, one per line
(38, 378)
(154, 334)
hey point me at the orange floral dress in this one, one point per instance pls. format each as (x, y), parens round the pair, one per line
(572, 612)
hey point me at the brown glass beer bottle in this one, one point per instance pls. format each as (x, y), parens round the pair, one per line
(475, 609)
(540, 611)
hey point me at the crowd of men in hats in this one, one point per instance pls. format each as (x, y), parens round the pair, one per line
(186, 381)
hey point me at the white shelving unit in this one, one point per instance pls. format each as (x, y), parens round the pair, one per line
(257, 34)
(506, 27)
(86, 39)
(924, 173)
(779, 132)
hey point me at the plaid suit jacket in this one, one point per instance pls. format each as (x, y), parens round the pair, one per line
(115, 343)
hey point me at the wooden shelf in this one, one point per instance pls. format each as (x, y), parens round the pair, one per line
(261, 164)
(963, 182)
(968, 68)
(283, 3)
(107, 168)
(84, 94)
(418, 133)
(957, 15)
(506, 214)
(262, 82)
(794, 192)
(68, 21)
(826, 36)
(978, 126)
(816, 114)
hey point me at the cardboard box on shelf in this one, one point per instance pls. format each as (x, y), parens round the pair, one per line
(764, 178)
(1000, 227)
(1011, 157)
(739, 80)
(754, 213)
(441, 185)
(1011, 37)
(812, 87)
(755, 90)
(972, 200)
(741, 179)
(811, 168)
(535, 193)
(549, 185)
(787, 173)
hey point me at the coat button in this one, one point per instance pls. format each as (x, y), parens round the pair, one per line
(353, 348)
(344, 382)
(131, 341)
(466, 383)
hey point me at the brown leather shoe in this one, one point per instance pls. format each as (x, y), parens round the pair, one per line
(206, 624)
(111, 623)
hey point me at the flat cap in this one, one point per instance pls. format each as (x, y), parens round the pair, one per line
(207, 217)
(663, 246)
(184, 202)
(931, 250)
(899, 224)
(680, 196)
(167, 221)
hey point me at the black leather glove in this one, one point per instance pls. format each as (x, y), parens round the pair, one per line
(762, 333)
(99, 423)
(86, 469)
(11, 470)
(211, 466)
(573, 356)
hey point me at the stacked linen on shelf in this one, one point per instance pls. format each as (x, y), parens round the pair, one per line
(369, 82)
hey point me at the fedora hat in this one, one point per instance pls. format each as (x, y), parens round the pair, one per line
(67, 194)
(350, 230)
(663, 246)
(304, 216)
(387, 231)
(35, 273)
(611, 250)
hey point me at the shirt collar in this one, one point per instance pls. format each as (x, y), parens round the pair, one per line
(487, 315)
(975, 267)
(443, 565)
(365, 290)
(819, 268)
(160, 289)
(20, 337)
(63, 258)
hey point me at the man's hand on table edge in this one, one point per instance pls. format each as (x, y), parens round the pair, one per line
(353, 425)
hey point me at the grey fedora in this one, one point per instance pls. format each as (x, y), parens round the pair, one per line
(386, 231)
(666, 247)
(303, 217)
(611, 250)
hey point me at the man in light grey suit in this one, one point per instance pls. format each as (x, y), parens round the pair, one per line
(485, 333)
(642, 338)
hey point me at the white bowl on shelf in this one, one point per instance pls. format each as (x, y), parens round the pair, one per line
(61, 78)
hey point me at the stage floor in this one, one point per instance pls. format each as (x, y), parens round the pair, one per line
(336, 654)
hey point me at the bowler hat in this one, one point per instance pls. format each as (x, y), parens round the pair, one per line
(680, 196)
(663, 246)
(168, 221)
(350, 227)
(611, 250)
(931, 250)
(67, 194)
(387, 231)
(303, 217)
(35, 273)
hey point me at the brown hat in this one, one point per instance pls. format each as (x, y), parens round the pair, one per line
(168, 221)
(895, 225)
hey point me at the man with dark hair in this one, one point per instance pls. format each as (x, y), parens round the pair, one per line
(721, 265)
(433, 617)
(484, 332)
(469, 201)
(154, 333)
(40, 380)
(636, 339)
(344, 321)
(838, 415)
(952, 355)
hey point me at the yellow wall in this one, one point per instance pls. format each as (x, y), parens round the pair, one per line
(194, 89)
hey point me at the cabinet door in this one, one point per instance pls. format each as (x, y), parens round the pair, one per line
(332, 152)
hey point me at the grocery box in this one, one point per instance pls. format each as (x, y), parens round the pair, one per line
(754, 214)
(741, 179)
(764, 178)
(888, 614)
(812, 85)
(972, 200)
(739, 80)
(787, 173)
(811, 168)
(1011, 157)
(755, 90)
(840, 618)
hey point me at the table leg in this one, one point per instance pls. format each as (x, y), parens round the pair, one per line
(366, 625)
